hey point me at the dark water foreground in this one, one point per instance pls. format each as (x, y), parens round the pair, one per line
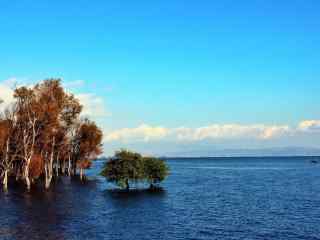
(235, 198)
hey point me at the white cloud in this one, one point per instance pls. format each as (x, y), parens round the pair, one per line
(73, 84)
(229, 131)
(309, 125)
(141, 133)
(215, 131)
(275, 131)
(6, 92)
(11, 82)
(93, 105)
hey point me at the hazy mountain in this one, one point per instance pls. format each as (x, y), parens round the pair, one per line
(285, 151)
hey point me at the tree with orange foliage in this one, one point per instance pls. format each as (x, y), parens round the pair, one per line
(42, 136)
(28, 124)
(7, 142)
(88, 145)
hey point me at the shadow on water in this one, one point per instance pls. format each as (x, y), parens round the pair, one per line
(71, 206)
(135, 193)
(40, 214)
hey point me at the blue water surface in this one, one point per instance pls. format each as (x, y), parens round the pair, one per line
(218, 198)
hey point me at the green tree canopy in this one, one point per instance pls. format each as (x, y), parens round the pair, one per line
(126, 167)
(123, 168)
(155, 170)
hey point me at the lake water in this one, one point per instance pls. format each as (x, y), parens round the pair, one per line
(221, 198)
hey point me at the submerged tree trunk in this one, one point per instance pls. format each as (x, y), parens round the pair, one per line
(63, 168)
(28, 152)
(18, 174)
(5, 177)
(26, 177)
(81, 174)
(69, 166)
(127, 185)
(5, 180)
(57, 166)
(48, 175)
(26, 172)
(74, 169)
(49, 167)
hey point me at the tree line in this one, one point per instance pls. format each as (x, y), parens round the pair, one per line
(43, 137)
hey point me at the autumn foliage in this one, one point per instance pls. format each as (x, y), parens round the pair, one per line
(43, 137)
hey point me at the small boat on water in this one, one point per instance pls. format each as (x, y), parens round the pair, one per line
(314, 161)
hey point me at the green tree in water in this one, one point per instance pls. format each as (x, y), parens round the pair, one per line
(126, 167)
(123, 168)
(155, 171)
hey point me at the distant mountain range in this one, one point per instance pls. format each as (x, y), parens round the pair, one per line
(241, 152)
(261, 152)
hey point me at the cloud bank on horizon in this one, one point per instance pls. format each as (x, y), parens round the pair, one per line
(219, 140)
(147, 133)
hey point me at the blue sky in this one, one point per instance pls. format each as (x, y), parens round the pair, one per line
(164, 65)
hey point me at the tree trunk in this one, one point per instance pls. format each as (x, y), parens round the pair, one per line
(47, 183)
(57, 170)
(49, 168)
(74, 169)
(5, 177)
(127, 185)
(48, 176)
(26, 170)
(17, 174)
(81, 174)
(5, 180)
(69, 166)
(57, 166)
(63, 169)
(48, 180)
(26, 177)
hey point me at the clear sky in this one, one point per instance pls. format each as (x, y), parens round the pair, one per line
(166, 74)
